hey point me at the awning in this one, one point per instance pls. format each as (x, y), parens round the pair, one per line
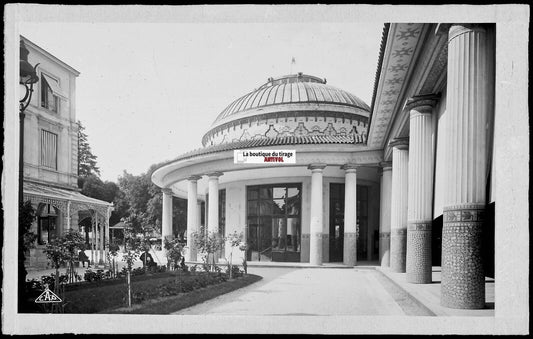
(61, 193)
(119, 226)
(53, 84)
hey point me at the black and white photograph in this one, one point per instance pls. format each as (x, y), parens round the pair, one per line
(265, 169)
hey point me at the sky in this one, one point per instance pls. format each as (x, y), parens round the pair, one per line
(147, 92)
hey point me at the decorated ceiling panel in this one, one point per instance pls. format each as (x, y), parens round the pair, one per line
(399, 54)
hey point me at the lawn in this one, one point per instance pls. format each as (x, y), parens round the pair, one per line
(166, 305)
(156, 293)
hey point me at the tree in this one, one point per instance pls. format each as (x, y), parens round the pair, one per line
(208, 244)
(86, 159)
(64, 250)
(132, 251)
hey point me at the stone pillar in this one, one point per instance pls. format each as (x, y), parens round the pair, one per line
(385, 214)
(192, 215)
(420, 191)
(398, 238)
(316, 215)
(468, 107)
(350, 215)
(166, 223)
(212, 213)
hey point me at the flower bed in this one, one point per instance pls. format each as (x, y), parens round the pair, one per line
(173, 303)
(103, 293)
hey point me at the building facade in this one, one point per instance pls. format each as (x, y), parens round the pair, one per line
(51, 159)
(405, 182)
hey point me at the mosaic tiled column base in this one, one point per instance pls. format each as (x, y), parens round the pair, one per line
(398, 246)
(350, 249)
(463, 280)
(418, 265)
(384, 249)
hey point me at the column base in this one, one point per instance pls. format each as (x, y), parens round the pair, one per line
(418, 265)
(398, 244)
(384, 249)
(350, 249)
(305, 247)
(463, 280)
(315, 249)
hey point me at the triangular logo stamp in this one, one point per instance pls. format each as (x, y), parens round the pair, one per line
(48, 297)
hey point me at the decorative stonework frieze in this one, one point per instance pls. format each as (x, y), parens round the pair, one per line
(398, 232)
(422, 227)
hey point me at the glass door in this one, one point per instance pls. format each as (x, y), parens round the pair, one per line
(273, 213)
(336, 222)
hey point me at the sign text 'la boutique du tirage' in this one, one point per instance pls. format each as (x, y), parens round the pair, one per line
(264, 156)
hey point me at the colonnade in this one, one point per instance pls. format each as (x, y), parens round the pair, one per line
(317, 232)
(408, 212)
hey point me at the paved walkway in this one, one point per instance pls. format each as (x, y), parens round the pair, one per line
(429, 294)
(305, 291)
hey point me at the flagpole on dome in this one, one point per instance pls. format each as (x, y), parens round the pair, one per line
(293, 62)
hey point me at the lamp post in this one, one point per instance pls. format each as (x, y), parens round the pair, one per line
(28, 77)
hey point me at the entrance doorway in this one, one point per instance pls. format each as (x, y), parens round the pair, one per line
(273, 213)
(336, 222)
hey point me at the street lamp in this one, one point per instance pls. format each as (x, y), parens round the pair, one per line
(28, 77)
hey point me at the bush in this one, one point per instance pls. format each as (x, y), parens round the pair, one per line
(90, 275)
(235, 271)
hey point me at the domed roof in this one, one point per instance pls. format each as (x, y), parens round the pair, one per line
(291, 89)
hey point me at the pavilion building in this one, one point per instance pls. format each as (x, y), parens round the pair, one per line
(406, 181)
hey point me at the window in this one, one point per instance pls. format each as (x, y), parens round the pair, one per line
(50, 93)
(47, 223)
(48, 149)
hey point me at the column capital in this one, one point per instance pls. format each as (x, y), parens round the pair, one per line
(350, 167)
(455, 29)
(422, 104)
(385, 166)
(166, 190)
(194, 178)
(214, 175)
(399, 143)
(316, 166)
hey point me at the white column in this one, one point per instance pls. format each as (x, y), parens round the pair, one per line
(192, 216)
(316, 216)
(420, 191)
(96, 240)
(469, 97)
(166, 223)
(199, 214)
(385, 214)
(93, 238)
(212, 214)
(350, 215)
(398, 241)
(108, 239)
(68, 215)
(102, 240)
